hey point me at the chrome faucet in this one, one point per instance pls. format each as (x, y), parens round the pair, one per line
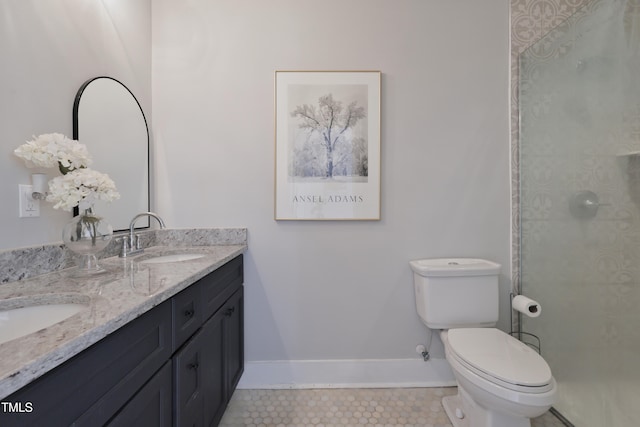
(131, 244)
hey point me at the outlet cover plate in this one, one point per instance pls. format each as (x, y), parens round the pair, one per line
(29, 207)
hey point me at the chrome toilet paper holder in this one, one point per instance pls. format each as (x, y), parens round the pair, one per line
(527, 338)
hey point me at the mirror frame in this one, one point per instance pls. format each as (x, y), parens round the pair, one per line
(76, 106)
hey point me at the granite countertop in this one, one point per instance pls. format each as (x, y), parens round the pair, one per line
(127, 290)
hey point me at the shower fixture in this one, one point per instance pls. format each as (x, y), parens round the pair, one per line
(584, 204)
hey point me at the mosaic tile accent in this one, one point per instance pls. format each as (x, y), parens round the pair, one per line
(346, 407)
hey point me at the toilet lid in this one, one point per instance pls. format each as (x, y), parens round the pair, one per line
(500, 355)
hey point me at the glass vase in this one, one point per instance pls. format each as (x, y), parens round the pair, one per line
(86, 235)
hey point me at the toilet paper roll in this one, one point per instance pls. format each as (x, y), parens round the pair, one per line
(526, 305)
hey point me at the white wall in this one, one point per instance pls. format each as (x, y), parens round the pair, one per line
(325, 290)
(48, 49)
(337, 290)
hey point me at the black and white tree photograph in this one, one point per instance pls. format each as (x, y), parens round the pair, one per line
(327, 145)
(328, 133)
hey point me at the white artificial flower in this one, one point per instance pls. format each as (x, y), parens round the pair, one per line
(52, 150)
(78, 182)
(68, 190)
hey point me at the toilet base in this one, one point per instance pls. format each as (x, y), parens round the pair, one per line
(451, 403)
(464, 412)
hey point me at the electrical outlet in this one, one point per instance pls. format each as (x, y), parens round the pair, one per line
(29, 207)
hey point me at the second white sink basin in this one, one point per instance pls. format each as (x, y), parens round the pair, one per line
(171, 258)
(21, 321)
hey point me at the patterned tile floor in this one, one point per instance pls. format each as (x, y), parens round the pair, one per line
(345, 407)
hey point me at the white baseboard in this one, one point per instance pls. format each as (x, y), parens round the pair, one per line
(364, 373)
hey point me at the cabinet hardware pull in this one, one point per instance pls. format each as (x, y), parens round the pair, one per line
(229, 311)
(193, 366)
(189, 313)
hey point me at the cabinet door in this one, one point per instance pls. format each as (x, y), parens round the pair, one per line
(151, 406)
(234, 341)
(188, 380)
(224, 357)
(214, 379)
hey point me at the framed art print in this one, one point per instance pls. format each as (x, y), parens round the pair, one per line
(327, 145)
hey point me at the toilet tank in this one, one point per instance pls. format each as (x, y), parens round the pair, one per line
(456, 292)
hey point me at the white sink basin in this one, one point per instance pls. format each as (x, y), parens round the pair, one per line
(21, 321)
(171, 258)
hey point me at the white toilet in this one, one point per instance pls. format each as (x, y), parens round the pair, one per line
(502, 382)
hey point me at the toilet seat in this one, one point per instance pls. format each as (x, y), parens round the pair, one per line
(501, 359)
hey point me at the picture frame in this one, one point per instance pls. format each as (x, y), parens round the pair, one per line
(327, 145)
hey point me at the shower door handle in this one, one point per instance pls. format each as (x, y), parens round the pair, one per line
(591, 203)
(584, 204)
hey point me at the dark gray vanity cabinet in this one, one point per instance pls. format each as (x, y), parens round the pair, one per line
(208, 366)
(177, 364)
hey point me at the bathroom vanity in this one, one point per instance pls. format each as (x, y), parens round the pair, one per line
(160, 344)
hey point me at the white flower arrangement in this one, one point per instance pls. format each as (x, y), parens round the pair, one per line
(68, 190)
(78, 183)
(52, 150)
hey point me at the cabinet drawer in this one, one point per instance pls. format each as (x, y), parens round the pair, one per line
(218, 286)
(151, 406)
(102, 378)
(186, 310)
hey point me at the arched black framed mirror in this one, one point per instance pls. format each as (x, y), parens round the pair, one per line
(109, 120)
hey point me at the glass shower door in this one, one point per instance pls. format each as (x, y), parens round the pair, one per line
(579, 175)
